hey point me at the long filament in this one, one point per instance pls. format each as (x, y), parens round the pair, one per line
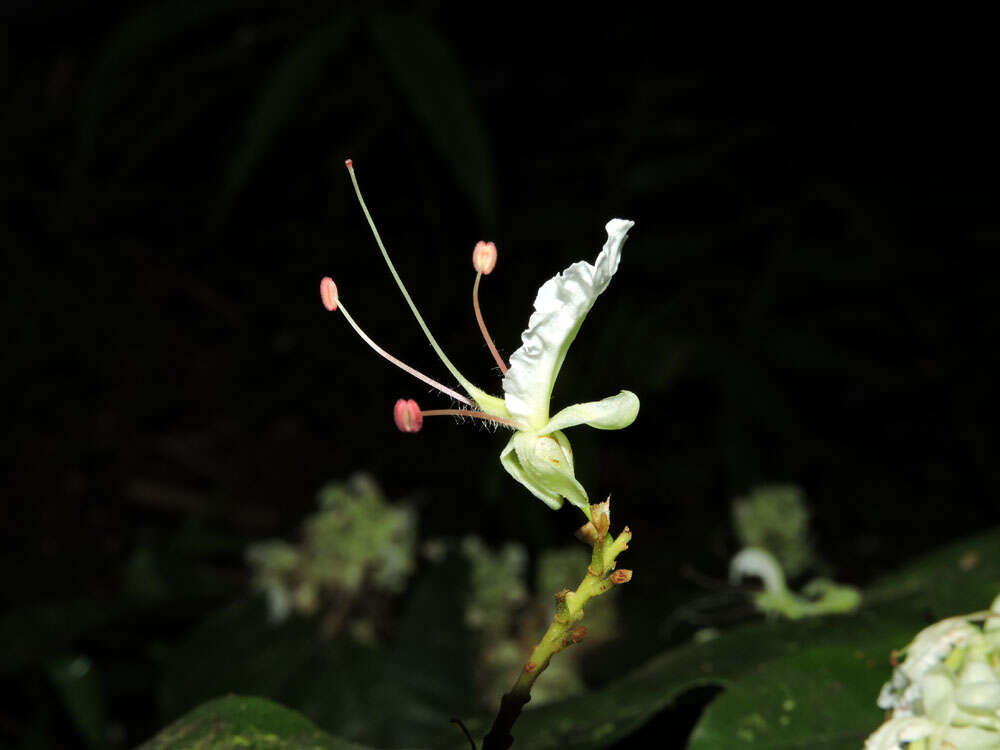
(402, 365)
(399, 282)
(482, 325)
(475, 414)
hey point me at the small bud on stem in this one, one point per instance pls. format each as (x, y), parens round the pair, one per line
(621, 576)
(587, 533)
(600, 514)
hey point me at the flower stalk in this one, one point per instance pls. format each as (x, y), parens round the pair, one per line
(565, 629)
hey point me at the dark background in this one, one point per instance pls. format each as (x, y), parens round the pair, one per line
(805, 296)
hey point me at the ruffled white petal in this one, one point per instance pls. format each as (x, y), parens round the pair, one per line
(611, 413)
(560, 307)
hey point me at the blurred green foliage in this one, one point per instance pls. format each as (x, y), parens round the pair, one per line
(776, 518)
(811, 683)
(356, 544)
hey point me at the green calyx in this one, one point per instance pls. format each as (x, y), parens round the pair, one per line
(544, 465)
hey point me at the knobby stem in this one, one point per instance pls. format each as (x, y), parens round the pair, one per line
(564, 631)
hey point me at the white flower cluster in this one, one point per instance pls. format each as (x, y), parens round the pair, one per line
(946, 692)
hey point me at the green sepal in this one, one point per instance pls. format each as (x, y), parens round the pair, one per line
(544, 464)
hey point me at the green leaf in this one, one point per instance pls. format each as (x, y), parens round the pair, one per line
(958, 578)
(241, 722)
(284, 92)
(430, 76)
(821, 697)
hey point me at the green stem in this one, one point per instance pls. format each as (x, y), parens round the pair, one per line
(563, 631)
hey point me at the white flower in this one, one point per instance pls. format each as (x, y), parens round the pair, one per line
(539, 455)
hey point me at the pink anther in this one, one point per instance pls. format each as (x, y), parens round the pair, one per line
(328, 293)
(407, 415)
(349, 163)
(484, 257)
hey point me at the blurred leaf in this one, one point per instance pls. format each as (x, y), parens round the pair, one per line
(956, 579)
(142, 34)
(430, 76)
(236, 649)
(433, 650)
(281, 95)
(76, 680)
(398, 694)
(821, 697)
(33, 633)
(237, 721)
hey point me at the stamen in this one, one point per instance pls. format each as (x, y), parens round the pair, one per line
(475, 392)
(331, 300)
(410, 418)
(484, 258)
(328, 293)
(407, 415)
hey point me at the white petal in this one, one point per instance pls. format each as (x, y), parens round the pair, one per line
(611, 413)
(971, 738)
(560, 307)
(901, 731)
